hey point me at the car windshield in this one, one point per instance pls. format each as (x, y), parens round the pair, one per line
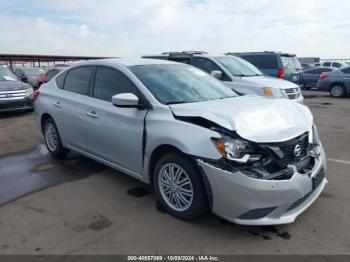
(33, 71)
(7, 75)
(175, 84)
(239, 67)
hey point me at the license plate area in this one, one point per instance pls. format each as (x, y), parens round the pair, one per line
(317, 180)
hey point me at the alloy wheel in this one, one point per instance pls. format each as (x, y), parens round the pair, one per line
(337, 91)
(175, 187)
(51, 137)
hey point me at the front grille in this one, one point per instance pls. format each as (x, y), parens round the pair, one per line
(293, 93)
(12, 95)
(289, 149)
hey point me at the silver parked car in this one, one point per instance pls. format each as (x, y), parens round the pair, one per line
(337, 83)
(14, 95)
(250, 160)
(240, 75)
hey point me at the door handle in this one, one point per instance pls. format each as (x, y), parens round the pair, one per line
(57, 104)
(92, 114)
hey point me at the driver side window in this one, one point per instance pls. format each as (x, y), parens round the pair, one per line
(208, 66)
(110, 82)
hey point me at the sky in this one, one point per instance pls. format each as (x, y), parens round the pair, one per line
(131, 28)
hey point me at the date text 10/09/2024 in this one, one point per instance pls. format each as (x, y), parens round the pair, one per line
(173, 258)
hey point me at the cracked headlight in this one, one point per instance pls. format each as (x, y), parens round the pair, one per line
(235, 149)
(273, 92)
(29, 91)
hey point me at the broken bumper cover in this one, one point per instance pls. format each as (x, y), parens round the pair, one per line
(248, 201)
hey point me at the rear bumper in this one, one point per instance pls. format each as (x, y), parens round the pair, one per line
(21, 104)
(234, 195)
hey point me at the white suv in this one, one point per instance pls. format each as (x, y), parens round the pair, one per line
(240, 75)
(248, 159)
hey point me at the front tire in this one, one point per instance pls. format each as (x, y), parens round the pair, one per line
(337, 90)
(53, 139)
(179, 187)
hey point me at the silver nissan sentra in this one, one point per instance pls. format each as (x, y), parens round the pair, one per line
(249, 159)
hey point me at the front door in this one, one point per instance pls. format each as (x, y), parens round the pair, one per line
(115, 134)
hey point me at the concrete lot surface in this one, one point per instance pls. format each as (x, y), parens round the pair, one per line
(77, 206)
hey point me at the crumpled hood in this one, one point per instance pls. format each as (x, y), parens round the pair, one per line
(268, 81)
(13, 86)
(254, 118)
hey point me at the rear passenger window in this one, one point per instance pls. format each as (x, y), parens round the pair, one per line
(262, 61)
(78, 80)
(316, 71)
(327, 64)
(60, 80)
(346, 70)
(110, 82)
(327, 70)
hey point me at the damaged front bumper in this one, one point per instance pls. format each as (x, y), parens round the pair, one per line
(241, 199)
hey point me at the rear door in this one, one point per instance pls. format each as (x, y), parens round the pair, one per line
(311, 76)
(70, 106)
(115, 134)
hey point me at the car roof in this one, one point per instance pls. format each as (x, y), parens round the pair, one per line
(125, 62)
(261, 53)
(183, 55)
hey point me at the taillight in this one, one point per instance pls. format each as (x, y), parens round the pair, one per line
(323, 76)
(282, 73)
(36, 94)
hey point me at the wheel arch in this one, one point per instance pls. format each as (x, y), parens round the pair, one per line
(336, 83)
(44, 117)
(161, 150)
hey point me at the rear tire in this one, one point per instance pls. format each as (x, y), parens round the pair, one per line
(179, 187)
(53, 139)
(337, 90)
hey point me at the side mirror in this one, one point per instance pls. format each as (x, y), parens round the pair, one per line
(217, 74)
(126, 100)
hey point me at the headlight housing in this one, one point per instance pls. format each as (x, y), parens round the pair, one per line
(273, 92)
(29, 91)
(235, 149)
(315, 136)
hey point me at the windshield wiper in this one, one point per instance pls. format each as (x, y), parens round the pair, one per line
(176, 102)
(242, 75)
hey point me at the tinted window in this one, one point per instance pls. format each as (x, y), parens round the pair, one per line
(60, 80)
(346, 70)
(316, 71)
(262, 61)
(78, 80)
(208, 66)
(337, 65)
(52, 73)
(327, 64)
(172, 84)
(327, 70)
(109, 82)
